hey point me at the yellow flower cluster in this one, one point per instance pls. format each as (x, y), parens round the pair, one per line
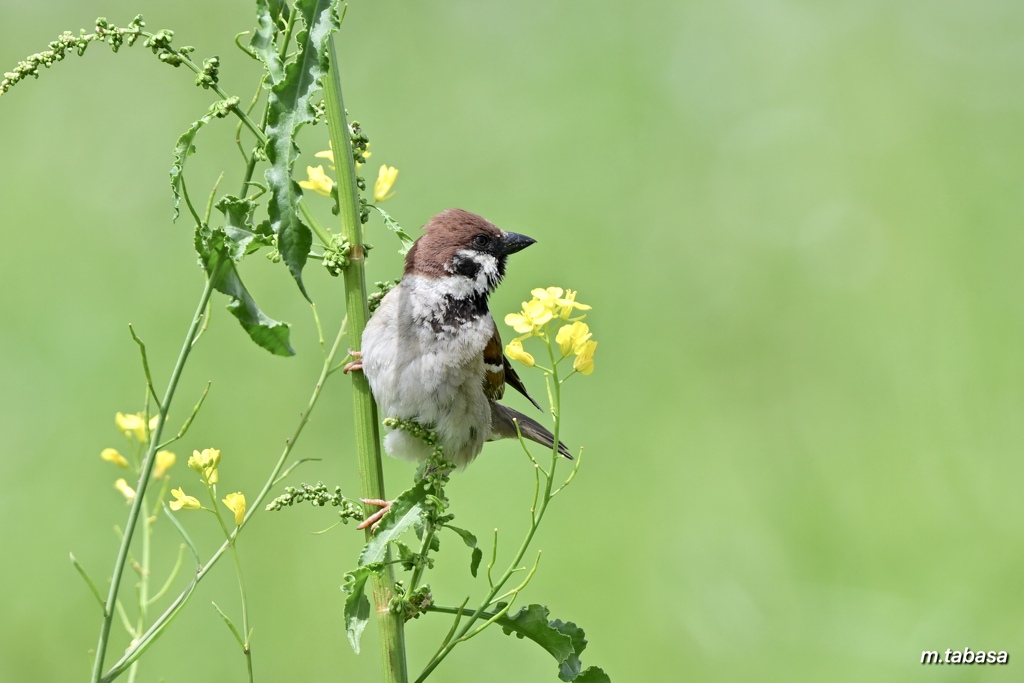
(574, 338)
(205, 464)
(318, 181)
(134, 425)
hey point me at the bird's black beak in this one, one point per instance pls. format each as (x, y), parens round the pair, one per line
(511, 242)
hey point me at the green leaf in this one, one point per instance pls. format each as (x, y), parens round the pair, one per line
(404, 512)
(182, 151)
(420, 528)
(88, 581)
(470, 540)
(231, 624)
(237, 226)
(564, 640)
(184, 148)
(357, 606)
(467, 537)
(243, 238)
(532, 622)
(392, 225)
(570, 668)
(474, 561)
(593, 674)
(215, 250)
(264, 43)
(290, 107)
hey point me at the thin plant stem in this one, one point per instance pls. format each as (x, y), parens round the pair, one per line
(144, 476)
(537, 510)
(417, 573)
(146, 639)
(231, 540)
(367, 434)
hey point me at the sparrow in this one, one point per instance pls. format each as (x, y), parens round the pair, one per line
(431, 351)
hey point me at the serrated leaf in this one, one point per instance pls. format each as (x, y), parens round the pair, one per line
(357, 606)
(593, 674)
(215, 254)
(404, 513)
(565, 641)
(569, 669)
(532, 622)
(474, 561)
(237, 226)
(183, 149)
(263, 44)
(290, 107)
(392, 225)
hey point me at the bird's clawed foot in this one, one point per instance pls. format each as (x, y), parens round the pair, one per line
(373, 520)
(356, 364)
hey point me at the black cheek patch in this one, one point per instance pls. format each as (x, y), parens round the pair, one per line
(465, 266)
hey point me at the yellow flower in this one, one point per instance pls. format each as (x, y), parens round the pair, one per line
(568, 303)
(327, 153)
(319, 181)
(385, 179)
(515, 351)
(129, 423)
(584, 363)
(205, 464)
(571, 338)
(183, 502)
(236, 503)
(111, 455)
(549, 297)
(134, 424)
(533, 316)
(164, 461)
(126, 490)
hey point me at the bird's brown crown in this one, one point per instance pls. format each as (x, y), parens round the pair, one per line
(445, 234)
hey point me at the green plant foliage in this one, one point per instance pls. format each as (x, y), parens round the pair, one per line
(184, 148)
(470, 540)
(357, 606)
(289, 108)
(565, 641)
(215, 250)
(263, 43)
(294, 45)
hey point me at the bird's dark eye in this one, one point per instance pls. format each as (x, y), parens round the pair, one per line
(481, 241)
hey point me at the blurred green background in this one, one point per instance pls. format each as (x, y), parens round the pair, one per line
(798, 223)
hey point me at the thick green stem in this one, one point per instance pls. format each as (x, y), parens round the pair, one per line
(147, 469)
(392, 631)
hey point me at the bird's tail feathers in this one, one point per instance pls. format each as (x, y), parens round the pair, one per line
(503, 424)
